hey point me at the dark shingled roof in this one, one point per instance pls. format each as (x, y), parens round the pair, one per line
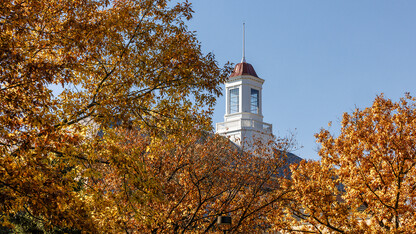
(243, 69)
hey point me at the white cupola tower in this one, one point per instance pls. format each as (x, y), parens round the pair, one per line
(243, 119)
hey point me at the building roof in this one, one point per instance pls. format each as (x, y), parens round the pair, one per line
(243, 68)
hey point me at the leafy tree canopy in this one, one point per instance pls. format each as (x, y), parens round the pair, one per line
(365, 181)
(115, 62)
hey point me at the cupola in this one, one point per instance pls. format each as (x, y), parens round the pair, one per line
(243, 110)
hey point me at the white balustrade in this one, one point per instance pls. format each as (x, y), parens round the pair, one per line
(238, 124)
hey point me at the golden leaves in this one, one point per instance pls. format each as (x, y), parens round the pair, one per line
(365, 180)
(130, 64)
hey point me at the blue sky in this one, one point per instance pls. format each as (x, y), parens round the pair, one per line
(319, 58)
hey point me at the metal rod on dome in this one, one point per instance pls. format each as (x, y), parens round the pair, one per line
(243, 60)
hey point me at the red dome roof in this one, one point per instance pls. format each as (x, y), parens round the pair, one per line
(243, 69)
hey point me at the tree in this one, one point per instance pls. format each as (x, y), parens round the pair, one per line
(103, 128)
(365, 181)
(182, 184)
(72, 67)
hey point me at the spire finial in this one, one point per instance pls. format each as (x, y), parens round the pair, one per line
(243, 60)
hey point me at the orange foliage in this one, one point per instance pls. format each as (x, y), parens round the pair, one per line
(365, 181)
(108, 62)
(182, 183)
(105, 111)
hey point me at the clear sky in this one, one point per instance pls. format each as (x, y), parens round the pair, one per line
(319, 58)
